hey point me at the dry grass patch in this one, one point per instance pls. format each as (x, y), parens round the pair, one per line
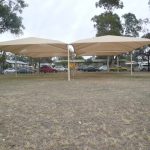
(92, 112)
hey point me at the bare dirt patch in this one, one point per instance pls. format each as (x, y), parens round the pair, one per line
(108, 113)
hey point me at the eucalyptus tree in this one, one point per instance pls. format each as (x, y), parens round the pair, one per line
(132, 26)
(10, 20)
(109, 5)
(108, 22)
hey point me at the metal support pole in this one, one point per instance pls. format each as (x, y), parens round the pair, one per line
(39, 66)
(148, 64)
(16, 64)
(131, 65)
(117, 63)
(68, 64)
(107, 63)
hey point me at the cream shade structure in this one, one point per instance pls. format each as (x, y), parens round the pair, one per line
(108, 45)
(36, 48)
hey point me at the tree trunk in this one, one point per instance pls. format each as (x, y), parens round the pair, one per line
(3, 60)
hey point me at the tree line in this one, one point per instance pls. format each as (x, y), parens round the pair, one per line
(110, 23)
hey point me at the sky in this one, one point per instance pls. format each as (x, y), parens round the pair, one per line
(68, 20)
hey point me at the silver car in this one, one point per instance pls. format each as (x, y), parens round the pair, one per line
(60, 68)
(103, 68)
(9, 71)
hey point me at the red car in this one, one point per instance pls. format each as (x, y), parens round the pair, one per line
(47, 69)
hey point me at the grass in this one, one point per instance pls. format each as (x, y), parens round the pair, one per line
(93, 111)
(76, 75)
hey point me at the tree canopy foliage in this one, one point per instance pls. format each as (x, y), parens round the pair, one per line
(132, 26)
(107, 23)
(110, 23)
(109, 5)
(79, 57)
(9, 16)
(146, 35)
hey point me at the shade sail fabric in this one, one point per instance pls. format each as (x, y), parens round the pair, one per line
(35, 47)
(108, 45)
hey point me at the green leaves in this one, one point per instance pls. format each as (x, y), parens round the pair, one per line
(109, 5)
(107, 24)
(2, 59)
(146, 36)
(132, 26)
(9, 19)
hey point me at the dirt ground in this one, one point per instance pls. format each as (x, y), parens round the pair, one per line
(102, 113)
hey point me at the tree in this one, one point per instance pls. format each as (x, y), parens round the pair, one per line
(109, 5)
(146, 36)
(2, 60)
(89, 61)
(132, 26)
(107, 24)
(101, 57)
(79, 58)
(9, 18)
(110, 23)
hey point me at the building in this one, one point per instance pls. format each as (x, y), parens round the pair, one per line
(18, 63)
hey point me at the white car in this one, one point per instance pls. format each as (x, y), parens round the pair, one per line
(143, 67)
(60, 68)
(9, 71)
(103, 68)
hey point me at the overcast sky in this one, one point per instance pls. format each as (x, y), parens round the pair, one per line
(68, 20)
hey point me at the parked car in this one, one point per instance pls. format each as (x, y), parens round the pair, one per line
(47, 69)
(143, 67)
(60, 68)
(103, 68)
(90, 69)
(81, 68)
(118, 68)
(9, 71)
(25, 70)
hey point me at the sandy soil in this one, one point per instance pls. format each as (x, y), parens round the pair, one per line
(104, 113)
